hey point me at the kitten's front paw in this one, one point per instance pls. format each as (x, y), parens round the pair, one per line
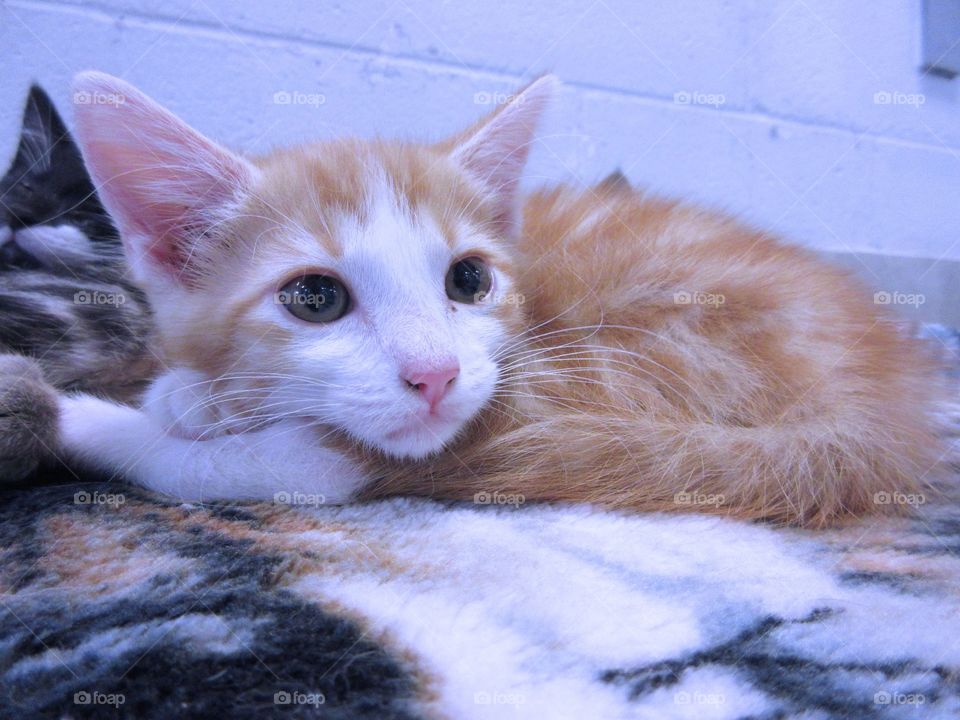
(28, 418)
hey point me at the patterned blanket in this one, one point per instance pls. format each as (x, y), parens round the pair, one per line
(118, 604)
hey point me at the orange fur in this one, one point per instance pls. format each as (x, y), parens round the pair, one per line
(784, 393)
(795, 399)
(662, 349)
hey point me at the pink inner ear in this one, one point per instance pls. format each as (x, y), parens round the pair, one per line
(497, 152)
(170, 211)
(499, 168)
(164, 183)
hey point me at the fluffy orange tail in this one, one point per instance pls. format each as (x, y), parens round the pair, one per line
(810, 473)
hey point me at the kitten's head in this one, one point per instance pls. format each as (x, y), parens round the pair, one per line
(49, 211)
(365, 286)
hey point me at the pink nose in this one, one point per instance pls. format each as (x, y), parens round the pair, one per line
(432, 384)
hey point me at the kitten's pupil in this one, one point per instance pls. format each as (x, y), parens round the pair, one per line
(315, 298)
(468, 281)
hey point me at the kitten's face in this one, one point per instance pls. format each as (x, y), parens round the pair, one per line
(361, 286)
(355, 309)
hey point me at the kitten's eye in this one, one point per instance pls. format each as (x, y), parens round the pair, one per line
(315, 298)
(468, 280)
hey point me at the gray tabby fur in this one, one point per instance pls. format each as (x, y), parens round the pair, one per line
(69, 318)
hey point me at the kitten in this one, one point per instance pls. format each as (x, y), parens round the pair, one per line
(361, 318)
(60, 256)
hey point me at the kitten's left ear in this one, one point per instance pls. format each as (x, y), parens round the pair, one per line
(167, 186)
(495, 149)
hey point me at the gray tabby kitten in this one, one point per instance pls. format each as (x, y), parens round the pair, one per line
(68, 317)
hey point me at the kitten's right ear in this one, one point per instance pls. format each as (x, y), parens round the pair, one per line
(495, 149)
(167, 186)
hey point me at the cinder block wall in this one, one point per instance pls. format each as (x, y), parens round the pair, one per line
(807, 116)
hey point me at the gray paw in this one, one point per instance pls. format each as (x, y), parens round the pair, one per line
(28, 418)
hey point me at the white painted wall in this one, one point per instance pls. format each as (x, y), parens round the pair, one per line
(796, 140)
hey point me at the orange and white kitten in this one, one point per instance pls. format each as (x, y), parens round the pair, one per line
(359, 318)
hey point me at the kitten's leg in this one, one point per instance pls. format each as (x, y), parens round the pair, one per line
(28, 418)
(179, 400)
(283, 461)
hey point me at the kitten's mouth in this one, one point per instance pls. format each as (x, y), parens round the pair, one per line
(418, 424)
(419, 436)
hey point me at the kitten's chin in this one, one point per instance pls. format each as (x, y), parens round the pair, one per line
(419, 439)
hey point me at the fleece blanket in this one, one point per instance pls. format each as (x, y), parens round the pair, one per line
(116, 603)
